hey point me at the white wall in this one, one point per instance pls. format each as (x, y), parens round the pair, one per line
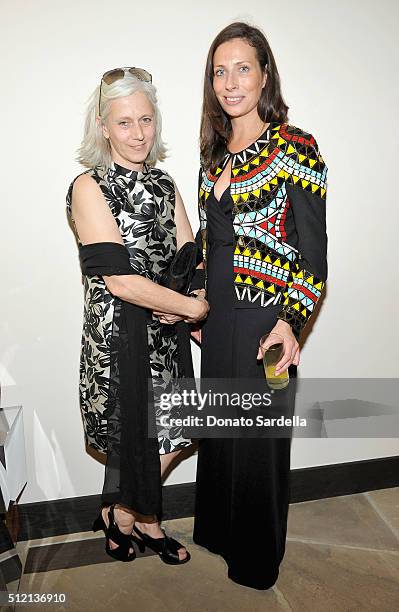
(338, 65)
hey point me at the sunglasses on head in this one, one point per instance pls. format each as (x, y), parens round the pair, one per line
(115, 74)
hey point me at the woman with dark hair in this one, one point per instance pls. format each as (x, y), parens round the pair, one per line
(262, 191)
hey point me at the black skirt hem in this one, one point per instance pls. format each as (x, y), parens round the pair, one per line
(246, 581)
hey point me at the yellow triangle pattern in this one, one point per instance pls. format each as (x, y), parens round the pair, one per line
(281, 176)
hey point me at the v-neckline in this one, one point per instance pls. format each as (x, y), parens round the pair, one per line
(221, 197)
(218, 179)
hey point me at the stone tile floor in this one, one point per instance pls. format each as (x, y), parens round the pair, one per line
(342, 555)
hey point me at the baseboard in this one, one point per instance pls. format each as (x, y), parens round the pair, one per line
(76, 514)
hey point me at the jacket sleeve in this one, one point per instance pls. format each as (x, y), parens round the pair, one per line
(306, 192)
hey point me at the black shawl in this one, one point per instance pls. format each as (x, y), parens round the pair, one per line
(132, 474)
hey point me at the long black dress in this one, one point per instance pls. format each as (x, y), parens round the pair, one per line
(243, 485)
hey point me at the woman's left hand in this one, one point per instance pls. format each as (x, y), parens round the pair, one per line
(167, 318)
(282, 333)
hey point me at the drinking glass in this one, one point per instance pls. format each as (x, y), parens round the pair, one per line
(270, 359)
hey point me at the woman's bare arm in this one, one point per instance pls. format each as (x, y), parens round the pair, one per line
(94, 223)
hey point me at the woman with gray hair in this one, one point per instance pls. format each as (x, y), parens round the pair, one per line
(129, 221)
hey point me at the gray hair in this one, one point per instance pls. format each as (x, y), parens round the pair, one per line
(95, 149)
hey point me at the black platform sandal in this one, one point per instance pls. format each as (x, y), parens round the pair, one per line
(165, 547)
(112, 532)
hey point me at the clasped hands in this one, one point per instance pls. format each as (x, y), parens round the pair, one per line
(171, 319)
(281, 333)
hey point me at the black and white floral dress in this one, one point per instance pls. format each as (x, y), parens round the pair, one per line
(143, 204)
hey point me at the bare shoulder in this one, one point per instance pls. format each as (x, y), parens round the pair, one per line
(85, 184)
(86, 192)
(92, 216)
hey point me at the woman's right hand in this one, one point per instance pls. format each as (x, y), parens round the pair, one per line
(198, 311)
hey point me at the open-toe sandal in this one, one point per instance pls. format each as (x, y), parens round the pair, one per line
(112, 532)
(165, 547)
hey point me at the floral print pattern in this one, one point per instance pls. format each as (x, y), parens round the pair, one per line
(143, 204)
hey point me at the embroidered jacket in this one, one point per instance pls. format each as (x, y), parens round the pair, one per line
(278, 187)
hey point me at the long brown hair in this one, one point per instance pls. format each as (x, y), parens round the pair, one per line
(215, 123)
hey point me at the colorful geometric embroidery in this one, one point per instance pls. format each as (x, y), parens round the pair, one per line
(301, 298)
(266, 268)
(278, 161)
(267, 224)
(251, 267)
